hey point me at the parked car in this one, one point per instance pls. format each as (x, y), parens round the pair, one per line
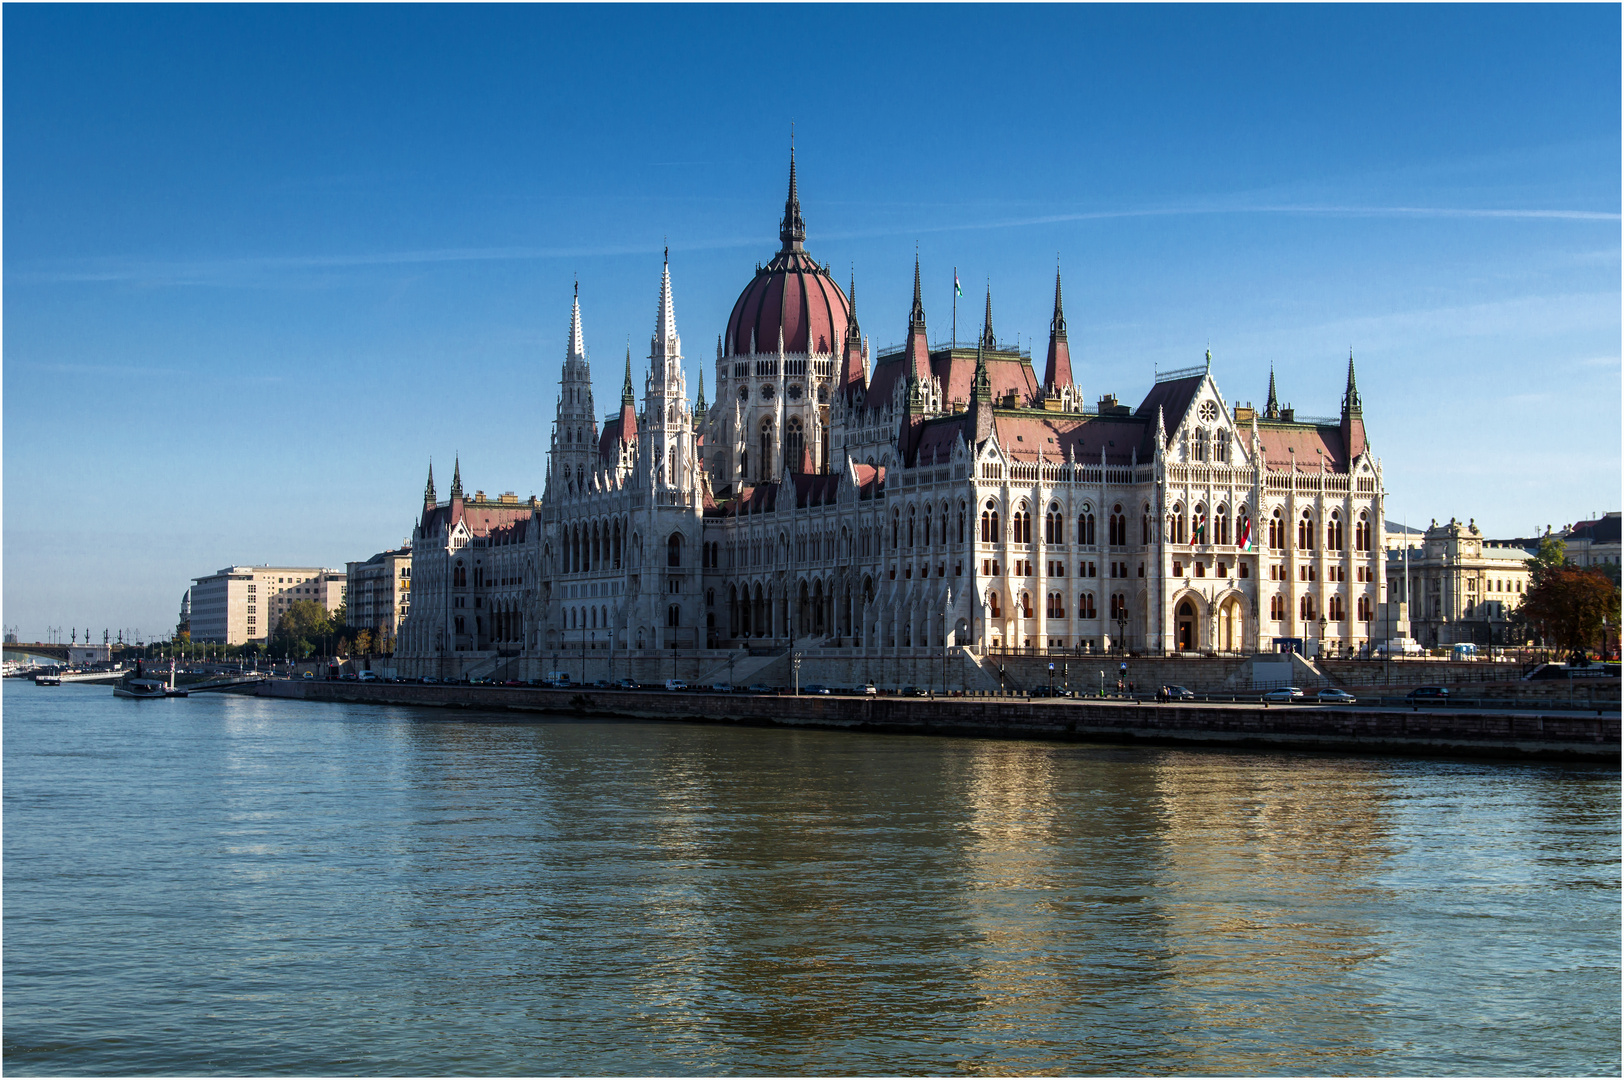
(868, 690)
(1285, 695)
(1428, 693)
(675, 684)
(722, 688)
(1334, 695)
(758, 688)
(429, 680)
(625, 684)
(814, 688)
(1175, 693)
(367, 676)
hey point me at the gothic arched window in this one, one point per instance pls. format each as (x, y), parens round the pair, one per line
(794, 441)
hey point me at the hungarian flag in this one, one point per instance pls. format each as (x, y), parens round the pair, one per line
(1199, 532)
(958, 290)
(1246, 534)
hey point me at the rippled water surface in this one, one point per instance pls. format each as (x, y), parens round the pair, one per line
(228, 885)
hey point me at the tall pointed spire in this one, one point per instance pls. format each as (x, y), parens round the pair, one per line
(988, 341)
(699, 403)
(428, 492)
(792, 229)
(456, 478)
(1057, 371)
(852, 373)
(918, 344)
(665, 319)
(577, 345)
(916, 314)
(627, 396)
(1271, 408)
(1353, 419)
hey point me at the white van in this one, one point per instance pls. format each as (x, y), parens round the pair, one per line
(675, 684)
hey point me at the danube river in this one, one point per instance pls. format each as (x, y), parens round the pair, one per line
(225, 884)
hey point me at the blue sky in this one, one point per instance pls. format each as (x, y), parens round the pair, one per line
(262, 263)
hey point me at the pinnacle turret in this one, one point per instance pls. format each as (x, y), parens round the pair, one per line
(1057, 371)
(1271, 408)
(988, 341)
(627, 395)
(428, 492)
(1057, 323)
(456, 478)
(918, 346)
(980, 424)
(916, 315)
(1350, 396)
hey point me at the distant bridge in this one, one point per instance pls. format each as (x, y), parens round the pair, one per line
(37, 648)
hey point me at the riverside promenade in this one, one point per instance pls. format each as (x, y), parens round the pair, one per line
(1523, 733)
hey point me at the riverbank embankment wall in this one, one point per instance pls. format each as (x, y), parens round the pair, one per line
(1435, 732)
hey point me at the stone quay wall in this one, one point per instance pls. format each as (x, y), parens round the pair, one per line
(1574, 736)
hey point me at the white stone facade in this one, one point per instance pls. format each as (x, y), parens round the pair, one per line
(900, 506)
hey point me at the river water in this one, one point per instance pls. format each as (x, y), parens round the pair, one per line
(225, 884)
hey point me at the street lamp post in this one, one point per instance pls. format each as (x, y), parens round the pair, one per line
(1321, 649)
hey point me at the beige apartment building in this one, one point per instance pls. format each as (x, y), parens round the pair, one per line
(380, 594)
(240, 604)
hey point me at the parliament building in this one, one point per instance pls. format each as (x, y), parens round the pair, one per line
(844, 508)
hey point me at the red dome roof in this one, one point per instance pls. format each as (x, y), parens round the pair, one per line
(793, 294)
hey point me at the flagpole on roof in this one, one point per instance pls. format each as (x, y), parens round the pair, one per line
(955, 304)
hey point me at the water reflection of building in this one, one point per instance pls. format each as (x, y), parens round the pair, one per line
(1269, 883)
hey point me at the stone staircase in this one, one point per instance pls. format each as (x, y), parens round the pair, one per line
(746, 669)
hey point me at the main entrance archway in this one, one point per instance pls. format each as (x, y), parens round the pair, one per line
(1185, 633)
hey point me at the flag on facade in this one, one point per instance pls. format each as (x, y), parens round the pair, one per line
(1199, 532)
(1246, 534)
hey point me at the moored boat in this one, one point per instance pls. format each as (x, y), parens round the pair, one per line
(140, 688)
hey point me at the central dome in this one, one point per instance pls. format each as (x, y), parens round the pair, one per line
(791, 295)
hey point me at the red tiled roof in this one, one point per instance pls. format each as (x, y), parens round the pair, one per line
(957, 370)
(815, 489)
(1060, 436)
(936, 439)
(481, 518)
(868, 477)
(626, 421)
(1312, 443)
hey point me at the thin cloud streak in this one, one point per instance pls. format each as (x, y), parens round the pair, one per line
(1307, 210)
(210, 272)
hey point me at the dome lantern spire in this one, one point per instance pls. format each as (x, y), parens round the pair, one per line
(792, 229)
